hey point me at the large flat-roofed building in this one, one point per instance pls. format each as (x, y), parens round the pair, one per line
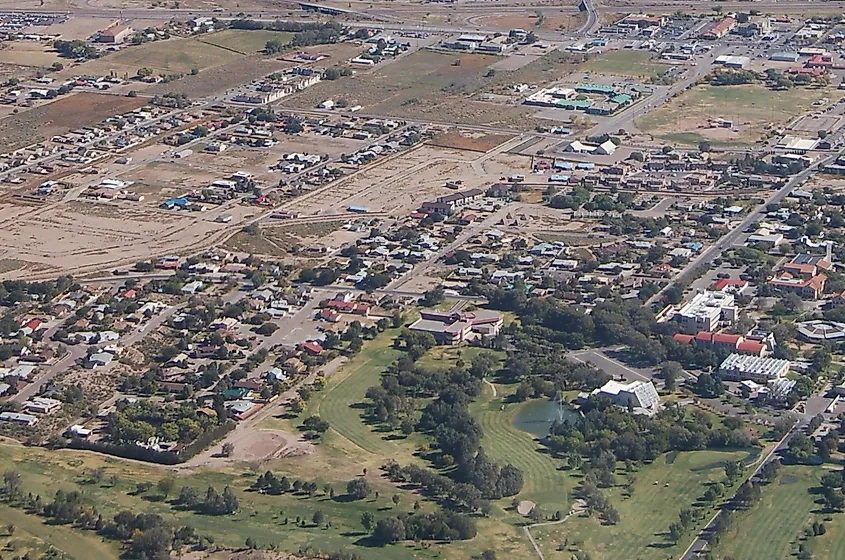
(18, 418)
(706, 311)
(454, 328)
(639, 395)
(115, 33)
(738, 367)
(448, 203)
(719, 29)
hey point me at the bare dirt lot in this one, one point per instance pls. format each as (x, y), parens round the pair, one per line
(442, 87)
(461, 140)
(66, 113)
(400, 184)
(28, 53)
(81, 235)
(242, 70)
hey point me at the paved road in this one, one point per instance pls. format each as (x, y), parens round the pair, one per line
(700, 542)
(731, 238)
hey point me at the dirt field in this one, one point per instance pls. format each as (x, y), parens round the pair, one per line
(243, 70)
(552, 21)
(245, 42)
(431, 86)
(401, 184)
(476, 142)
(66, 113)
(80, 235)
(28, 53)
(173, 56)
(752, 108)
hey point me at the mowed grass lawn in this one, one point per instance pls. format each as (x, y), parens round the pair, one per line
(662, 489)
(545, 484)
(341, 404)
(751, 107)
(625, 63)
(245, 41)
(771, 529)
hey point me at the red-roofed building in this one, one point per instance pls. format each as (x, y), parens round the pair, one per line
(751, 347)
(732, 342)
(729, 285)
(811, 288)
(800, 270)
(129, 294)
(312, 347)
(726, 340)
(33, 324)
(820, 61)
(704, 336)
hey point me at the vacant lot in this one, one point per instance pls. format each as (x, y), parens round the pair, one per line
(662, 489)
(551, 20)
(477, 142)
(66, 113)
(173, 56)
(29, 53)
(442, 87)
(626, 63)
(771, 529)
(245, 41)
(752, 108)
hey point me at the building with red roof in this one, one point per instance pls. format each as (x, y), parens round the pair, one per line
(729, 285)
(312, 347)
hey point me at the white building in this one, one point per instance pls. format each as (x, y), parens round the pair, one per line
(761, 370)
(641, 395)
(705, 311)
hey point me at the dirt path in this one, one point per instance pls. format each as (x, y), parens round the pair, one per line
(492, 387)
(256, 444)
(577, 507)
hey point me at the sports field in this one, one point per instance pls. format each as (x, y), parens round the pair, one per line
(773, 528)
(753, 109)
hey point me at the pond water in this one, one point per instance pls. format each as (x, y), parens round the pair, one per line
(536, 417)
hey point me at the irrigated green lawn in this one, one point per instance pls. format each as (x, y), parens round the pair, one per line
(771, 529)
(545, 484)
(625, 63)
(347, 388)
(662, 489)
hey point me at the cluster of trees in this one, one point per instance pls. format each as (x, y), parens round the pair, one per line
(144, 419)
(304, 33)
(733, 77)
(13, 292)
(75, 49)
(455, 495)
(576, 198)
(686, 521)
(833, 486)
(269, 483)
(214, 503)
(757, 165)
(639, 438)
(595, 500)
(441, 526)
(146, 535)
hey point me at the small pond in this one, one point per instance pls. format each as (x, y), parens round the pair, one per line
(536, 417)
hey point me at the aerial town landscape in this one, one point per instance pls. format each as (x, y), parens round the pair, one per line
(406, 279)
